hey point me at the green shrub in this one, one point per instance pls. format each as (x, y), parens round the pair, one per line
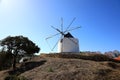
(14, 77)
(11, 77)
(50, 69)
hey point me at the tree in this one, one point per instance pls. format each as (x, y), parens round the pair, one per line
(18, 45)
(5, 60)
(116, 53)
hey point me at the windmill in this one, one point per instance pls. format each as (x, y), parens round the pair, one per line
(66, 43)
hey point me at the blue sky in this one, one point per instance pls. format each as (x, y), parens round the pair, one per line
(100, 21)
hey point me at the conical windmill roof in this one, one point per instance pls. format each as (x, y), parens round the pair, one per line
(68, 35)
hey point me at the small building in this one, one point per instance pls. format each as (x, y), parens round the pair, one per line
(68, 44)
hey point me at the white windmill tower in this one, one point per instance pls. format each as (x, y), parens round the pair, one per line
(67, 43)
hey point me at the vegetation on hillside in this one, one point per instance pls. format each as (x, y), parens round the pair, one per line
(82, 55)
(112, 54)
(14, 77)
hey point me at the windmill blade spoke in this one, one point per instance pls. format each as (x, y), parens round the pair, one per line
(48, 45)
(72, 29)
(56, 29)
(62, 24)
(53, 27)
(52, 36)
(70, 24)
(55, 45)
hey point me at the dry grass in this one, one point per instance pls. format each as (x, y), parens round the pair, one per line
(74, 69)
(3, 74)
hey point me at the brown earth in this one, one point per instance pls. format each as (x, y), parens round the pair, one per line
(3, 74)
(46, 68)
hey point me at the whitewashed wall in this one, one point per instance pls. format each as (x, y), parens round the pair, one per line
(68, 45)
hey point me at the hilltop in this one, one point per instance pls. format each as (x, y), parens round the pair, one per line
(50, 68)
